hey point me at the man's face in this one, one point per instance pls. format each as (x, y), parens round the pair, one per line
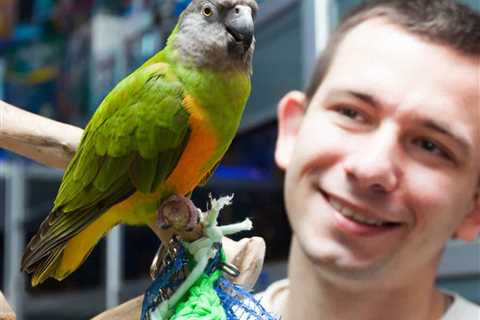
(382, 168)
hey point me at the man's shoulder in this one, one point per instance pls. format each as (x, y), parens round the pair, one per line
(272, 298)
(462, 308)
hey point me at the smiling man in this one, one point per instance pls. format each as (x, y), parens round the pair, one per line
(382, 160)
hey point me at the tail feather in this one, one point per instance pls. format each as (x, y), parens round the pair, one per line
(53, 233)
(45, 253)
(50, 237)
(65, 239)
(46, 267)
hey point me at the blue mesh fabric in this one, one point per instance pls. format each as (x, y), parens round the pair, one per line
(239, 304)
(169, 279)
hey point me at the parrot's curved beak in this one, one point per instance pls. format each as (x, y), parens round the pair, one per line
(239, 23)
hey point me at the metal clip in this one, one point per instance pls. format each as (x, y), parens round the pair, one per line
(229, 269)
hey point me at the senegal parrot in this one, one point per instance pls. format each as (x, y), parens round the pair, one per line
(160, 132)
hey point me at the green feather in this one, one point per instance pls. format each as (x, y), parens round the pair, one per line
(112, 167)
(141, 173)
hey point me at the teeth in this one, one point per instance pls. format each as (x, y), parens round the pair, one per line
(336, 205)
(354, 215)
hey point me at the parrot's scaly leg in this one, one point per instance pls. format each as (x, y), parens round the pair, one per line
(179, 213)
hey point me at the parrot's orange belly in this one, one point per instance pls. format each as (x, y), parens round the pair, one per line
(198, 158)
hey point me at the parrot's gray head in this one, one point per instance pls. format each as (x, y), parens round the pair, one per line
(217, 34)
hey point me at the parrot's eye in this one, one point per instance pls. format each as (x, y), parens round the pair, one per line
(207, 11)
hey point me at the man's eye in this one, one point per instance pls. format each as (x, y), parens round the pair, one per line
(431, 147)
(351, 113)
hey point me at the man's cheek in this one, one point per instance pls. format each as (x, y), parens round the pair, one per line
(432, 210)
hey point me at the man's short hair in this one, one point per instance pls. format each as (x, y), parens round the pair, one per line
(443, 22)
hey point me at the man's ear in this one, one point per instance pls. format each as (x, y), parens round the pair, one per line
(470, 227)
(290, 114)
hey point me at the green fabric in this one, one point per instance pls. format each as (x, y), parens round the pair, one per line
(201, 302)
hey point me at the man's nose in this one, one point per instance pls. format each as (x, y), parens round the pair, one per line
(373, 167)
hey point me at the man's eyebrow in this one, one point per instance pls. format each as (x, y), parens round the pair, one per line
(367, 98)
(364, 97)
(445, 129)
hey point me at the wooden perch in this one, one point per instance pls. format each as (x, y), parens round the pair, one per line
(46, 141)
(6, 313)
(53, 144)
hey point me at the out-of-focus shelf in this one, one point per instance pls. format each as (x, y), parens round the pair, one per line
(73, 302)
(269, 11)
(17, 212)
(460, 259)
(32, 171)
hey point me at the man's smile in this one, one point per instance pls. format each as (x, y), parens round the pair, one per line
(354, 215)
(359, 221)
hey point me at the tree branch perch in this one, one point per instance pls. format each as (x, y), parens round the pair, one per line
(6, 312)
(46, 141)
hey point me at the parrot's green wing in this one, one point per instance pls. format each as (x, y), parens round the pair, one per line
(133, 142)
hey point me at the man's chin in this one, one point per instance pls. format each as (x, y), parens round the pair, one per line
(337, 261)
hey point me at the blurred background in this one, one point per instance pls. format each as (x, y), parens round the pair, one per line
(59, 58)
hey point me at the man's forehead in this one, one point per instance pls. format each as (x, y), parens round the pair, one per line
(371, 32)
(376, 51)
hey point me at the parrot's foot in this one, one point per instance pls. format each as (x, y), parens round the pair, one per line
(179, 213)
